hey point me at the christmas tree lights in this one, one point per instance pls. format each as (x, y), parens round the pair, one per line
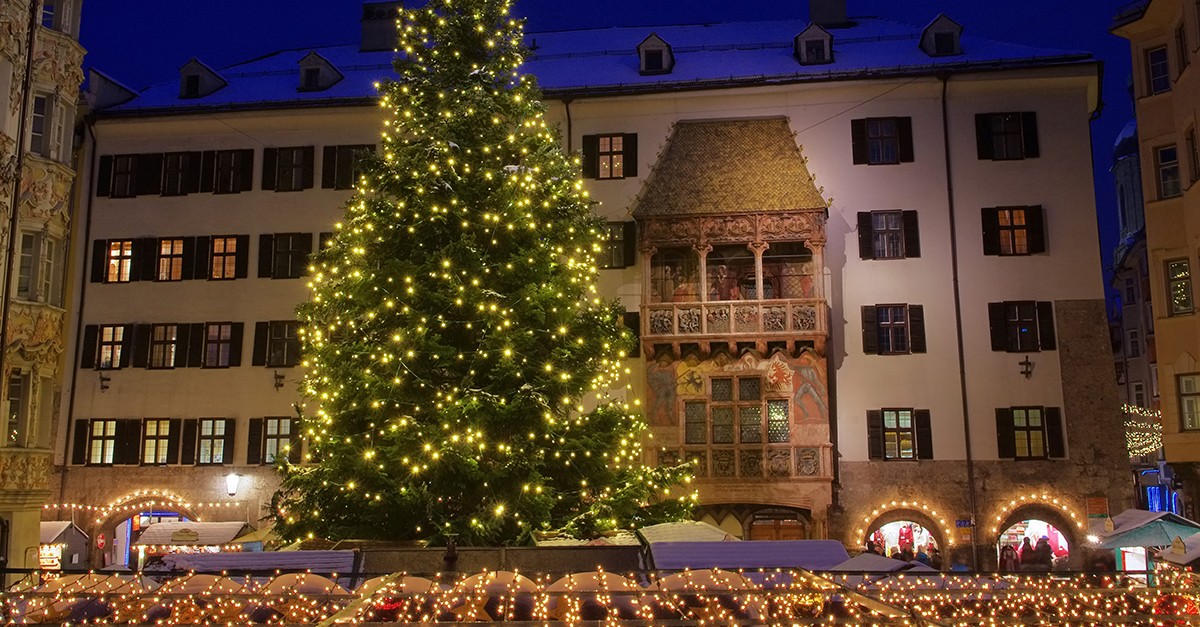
(459, 359)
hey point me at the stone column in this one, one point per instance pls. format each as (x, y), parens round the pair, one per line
(758, 248)
(648, 276)
(702, 251)
(818, 264)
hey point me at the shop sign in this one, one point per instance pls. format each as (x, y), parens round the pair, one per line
(50, 556)
(100, 541)
(963, 526)
(1097, 507)
(185, 536)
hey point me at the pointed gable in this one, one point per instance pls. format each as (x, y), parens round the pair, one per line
(942, 37)
(655, 56)
(317, 73)
(814, 45)
(197, 80)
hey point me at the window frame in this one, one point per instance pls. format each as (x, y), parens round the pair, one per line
(290, 261)
(169, 259)
(1014, 236)
(883, 232)
(222, 344)
(124, 177)
(208, 444)
(283, 344)
(1018, 338)
(1184, 282)
(613, 158)
(110, 342)
(892, 332)
(879, 139)
(1133, 343)
(106, 439)
(281, 440)
(159, 441)
(39, 270)
(737, 404)
(290, 166)
(175, 173)
(898, 430)
(1158, 71)
(164, 346)
(1193, 152)
(1167, 175)
(119, 261)
(1184, 397)
(1181, 48)
(225, 259)
(1008, 143)
(618, 248)
(17, 397)
(227, 168)
(1029, 431)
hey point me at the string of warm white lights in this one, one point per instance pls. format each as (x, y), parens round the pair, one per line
(141, 500)
(1134, 410)
(1046, 500)
(888, 506)
(1142, 438)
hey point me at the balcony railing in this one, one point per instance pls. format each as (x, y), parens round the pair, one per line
(801, 316)
(764, 461)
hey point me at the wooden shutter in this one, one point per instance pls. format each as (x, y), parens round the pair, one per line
(254, 442)
(306, 248)
(1035, 228)
(208, 171)
(183, 334)
(104, 176)
(874, 434)
(230, 430)
(912, 233)
(998, 324)
(1006, 442)
(633, 321)
(195, 344)
(127, 345)
(924, 434)
(235, 344)
(141, 345)
(191, 173)
(1029, 135)
(187, 442)
(294, 442)
(258, 357)
(990, 218)
(201, 258)
(323, 239)
(858, 142)
(870, 331)
(266, 255)
(145, 259)
(99, 260)
(629, 239)
(866, 236)
(188, 270)
(630, 155)
(591, 156)
(916, 328)
(328, 167)
(149, 174)
(245, 170)
(904, 137)
(174, 435)
(310, 162)
(242, 259)
(983, 136)
(347, 161)
(128, 445)
(87, 354)
(270, 168)
(1056, 445)
(1045, 317)
(79, 450)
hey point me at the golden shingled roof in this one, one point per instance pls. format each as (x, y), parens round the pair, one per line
(729, 166)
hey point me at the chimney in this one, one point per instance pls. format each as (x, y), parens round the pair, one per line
(379, 26)
(828, 13)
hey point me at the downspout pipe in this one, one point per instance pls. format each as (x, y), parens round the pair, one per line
(972, 500)
(567, 107)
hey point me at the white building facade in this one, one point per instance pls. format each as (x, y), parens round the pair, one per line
(861, 257)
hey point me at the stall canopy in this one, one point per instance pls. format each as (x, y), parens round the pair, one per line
(192, 533)
(807, 554)
(55, 532)
(1184, 551)
(1140, 528)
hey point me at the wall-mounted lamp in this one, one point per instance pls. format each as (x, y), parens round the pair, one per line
(231, 483)
(1026, 367)
(104, 379)
(278, 380)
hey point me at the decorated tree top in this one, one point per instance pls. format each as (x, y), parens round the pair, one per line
(459, 358)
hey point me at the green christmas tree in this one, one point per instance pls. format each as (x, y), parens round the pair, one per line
(459, 357)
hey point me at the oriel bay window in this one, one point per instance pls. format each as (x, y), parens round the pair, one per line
(674, 275)
(736, 412)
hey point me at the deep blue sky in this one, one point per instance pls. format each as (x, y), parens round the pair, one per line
(142, 42)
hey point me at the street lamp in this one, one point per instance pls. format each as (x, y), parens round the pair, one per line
(231, 483)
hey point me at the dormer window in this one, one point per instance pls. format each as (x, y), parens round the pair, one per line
(191, 86)
(317, 73)
(197, 80)
(654, 56)
(942, 37)
(814, 45)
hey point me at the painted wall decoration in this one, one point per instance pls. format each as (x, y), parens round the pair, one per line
(802, 377)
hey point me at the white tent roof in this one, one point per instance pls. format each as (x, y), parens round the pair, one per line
(192, 533)
(52, 530)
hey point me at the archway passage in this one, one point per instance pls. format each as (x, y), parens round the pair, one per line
(925, 533)
(1032, 544)
(756, 522)
(905, 539)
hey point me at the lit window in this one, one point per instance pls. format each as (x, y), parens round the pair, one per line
(611, 157)
(1029, 432)
(218, 344)
(212, 441)
(278, 438)
(103, 442)
(899, 434)
(1014, 235)
(170, 259)
(1179, 287)
(120, 261)
(224, 258)
(112, 341)
(163, 345)
(1189, 401)
(157, 432)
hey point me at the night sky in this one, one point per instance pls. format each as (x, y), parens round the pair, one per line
(142, 42)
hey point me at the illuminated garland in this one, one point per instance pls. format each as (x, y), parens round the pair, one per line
(1134, 410)
(1036, 499)
(1142, 437)
(140, 500)
(902, 505)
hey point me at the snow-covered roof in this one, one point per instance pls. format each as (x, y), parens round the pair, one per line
(51, 531)
(605, 60)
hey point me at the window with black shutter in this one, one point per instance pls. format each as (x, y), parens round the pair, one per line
(893, 329)
(80, 444)
(1022, 326)
(284, 255)
(889, 234)
(1006, 136)
(227, 171)
(340, 165)
(881, 141)
(620, 249)
(288, 169)
(1013, 231)
(610, 156)
(633, 322)
(1030, 433)
(181, 173)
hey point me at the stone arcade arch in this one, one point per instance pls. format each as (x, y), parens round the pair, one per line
(124, 508)
(912, 515)
(1048, 514)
